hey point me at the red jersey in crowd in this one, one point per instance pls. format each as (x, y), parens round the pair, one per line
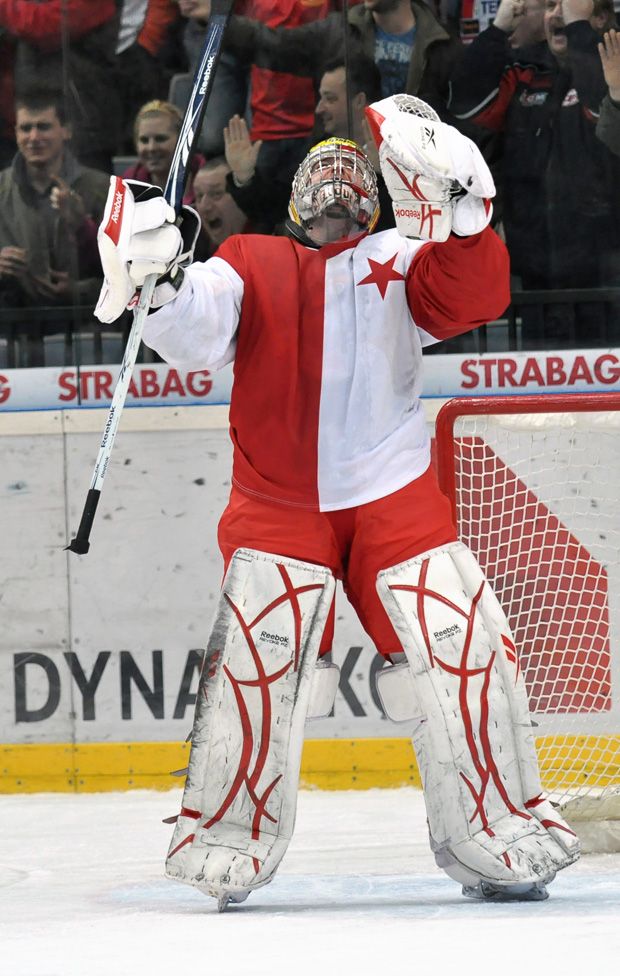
(282, 104)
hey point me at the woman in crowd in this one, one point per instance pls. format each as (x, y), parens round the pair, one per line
(156, 128)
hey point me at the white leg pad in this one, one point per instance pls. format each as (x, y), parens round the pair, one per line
(473, 741)
(240, 798)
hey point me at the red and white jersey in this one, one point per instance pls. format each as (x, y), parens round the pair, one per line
(327, 348)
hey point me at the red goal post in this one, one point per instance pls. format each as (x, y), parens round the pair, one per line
(534, 482)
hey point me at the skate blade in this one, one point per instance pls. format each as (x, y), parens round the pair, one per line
(485, 891)
(231, 898)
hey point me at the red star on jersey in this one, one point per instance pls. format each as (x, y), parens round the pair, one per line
(381, 274)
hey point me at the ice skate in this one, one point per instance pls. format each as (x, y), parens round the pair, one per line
(485, 891)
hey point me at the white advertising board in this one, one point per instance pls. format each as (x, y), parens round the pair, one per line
(55, 388)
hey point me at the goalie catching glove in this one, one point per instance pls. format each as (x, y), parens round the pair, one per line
(437, 179)
(141, 235)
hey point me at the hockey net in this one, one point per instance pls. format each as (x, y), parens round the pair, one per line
(534, 483)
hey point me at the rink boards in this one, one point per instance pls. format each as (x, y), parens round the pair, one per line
(99, 655)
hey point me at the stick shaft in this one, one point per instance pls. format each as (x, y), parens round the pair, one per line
(194, 113)
(122, 383)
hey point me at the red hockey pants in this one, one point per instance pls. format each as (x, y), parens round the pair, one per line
(355, 543)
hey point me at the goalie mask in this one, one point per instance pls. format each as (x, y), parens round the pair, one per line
(334, 195)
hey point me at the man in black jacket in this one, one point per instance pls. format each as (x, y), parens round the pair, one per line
(559, 181)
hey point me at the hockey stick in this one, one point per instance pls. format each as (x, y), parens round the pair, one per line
(173, 192)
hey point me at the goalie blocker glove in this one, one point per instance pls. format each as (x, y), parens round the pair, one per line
(140, 235)
(437, 178)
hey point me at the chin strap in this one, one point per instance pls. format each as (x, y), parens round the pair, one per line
(294, 230)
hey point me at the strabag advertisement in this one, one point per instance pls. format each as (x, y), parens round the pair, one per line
(53, 388)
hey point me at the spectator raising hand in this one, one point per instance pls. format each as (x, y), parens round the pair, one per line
(608, 125)
(241, 152)
(522, 21)
(609, 51)
(255, 194)
(508, 14)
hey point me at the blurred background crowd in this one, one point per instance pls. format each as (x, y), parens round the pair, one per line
(89, 89)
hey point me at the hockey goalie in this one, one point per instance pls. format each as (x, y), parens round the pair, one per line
(332, 480)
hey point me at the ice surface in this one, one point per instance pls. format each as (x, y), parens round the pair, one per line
(82, 893)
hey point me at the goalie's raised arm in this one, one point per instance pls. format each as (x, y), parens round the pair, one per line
(140, 235)
(437, 178)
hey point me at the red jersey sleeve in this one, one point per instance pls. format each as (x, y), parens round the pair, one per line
(458, 285)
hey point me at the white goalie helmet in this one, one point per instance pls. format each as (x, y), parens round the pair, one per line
(334, 195)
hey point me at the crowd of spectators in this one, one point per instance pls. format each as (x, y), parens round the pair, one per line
(90, 89)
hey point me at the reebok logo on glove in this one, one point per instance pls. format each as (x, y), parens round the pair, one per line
(428, 138)
(118, 206)
(113, 228)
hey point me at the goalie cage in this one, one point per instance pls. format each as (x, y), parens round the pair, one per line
(533, 482)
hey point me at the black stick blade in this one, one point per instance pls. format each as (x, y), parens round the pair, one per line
(80, 546)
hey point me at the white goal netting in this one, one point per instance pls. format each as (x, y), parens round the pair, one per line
(535, 482)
